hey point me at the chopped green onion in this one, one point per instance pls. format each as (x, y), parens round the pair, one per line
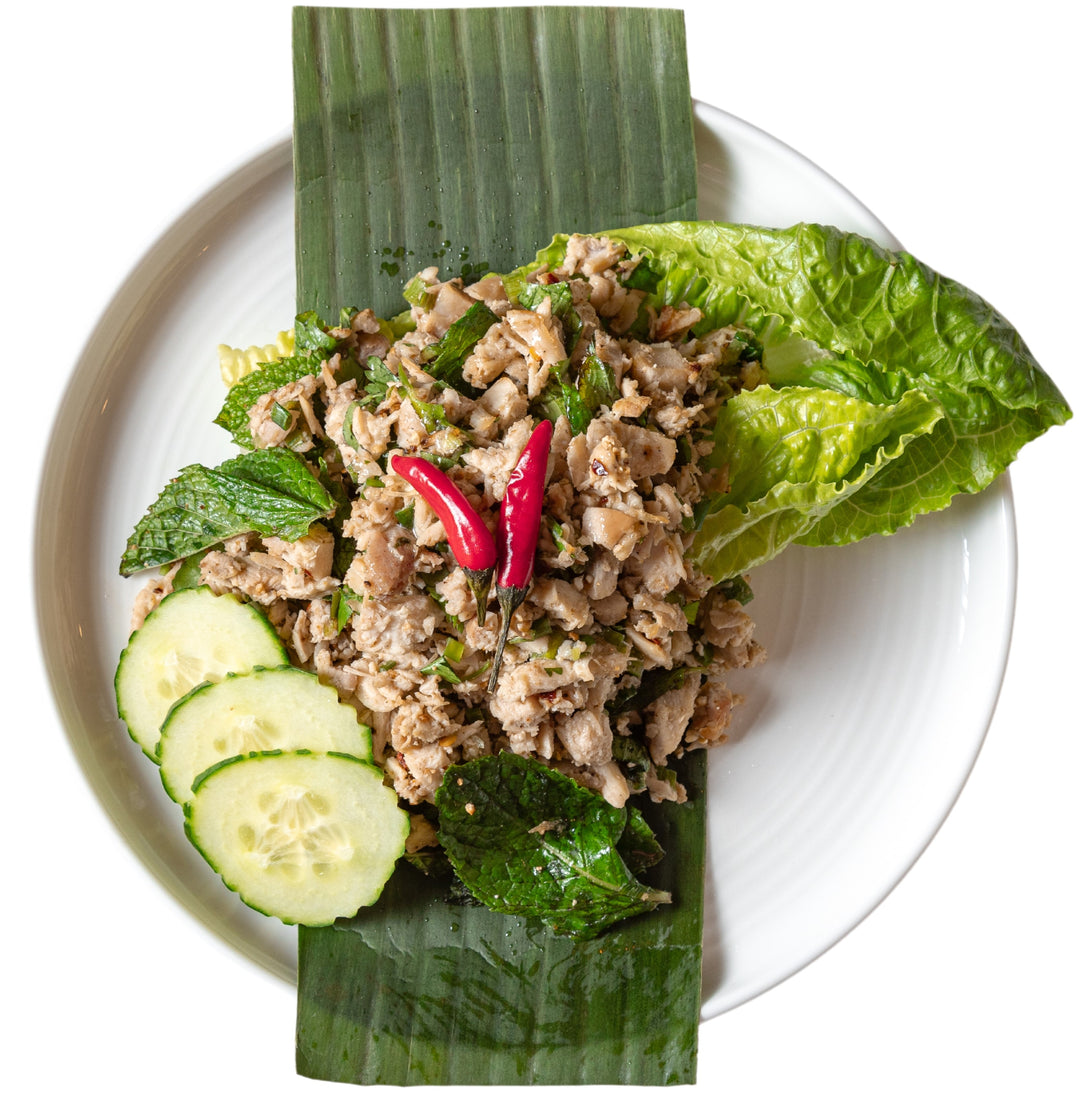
(418, 293)
(347, 431)
(280, 416)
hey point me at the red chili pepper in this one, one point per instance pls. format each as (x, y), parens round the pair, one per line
(519, 532)
(471, 543)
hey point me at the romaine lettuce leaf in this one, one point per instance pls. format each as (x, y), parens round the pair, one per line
(793, 456)
(839, 312)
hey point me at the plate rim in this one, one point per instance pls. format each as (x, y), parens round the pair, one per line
(91, 364)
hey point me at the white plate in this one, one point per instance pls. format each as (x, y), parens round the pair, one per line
(855, 739)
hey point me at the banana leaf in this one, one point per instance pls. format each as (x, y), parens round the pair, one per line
(466, 139)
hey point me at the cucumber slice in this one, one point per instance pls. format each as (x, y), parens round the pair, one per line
(192, 636)
(303, 837)
(269, 709)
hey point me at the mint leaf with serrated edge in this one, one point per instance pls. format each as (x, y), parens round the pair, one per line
(233, 416)
(270, 491)
(444, 360)
(527, 840)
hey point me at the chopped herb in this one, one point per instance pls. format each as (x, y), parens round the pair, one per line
(561, 295)
(684, 449)
(444, 360)
(654, 683)
(347, 431)
(748, 345)
(736, 588)
(643, 276)
(431, 414)
(406, 515)
(189, 575)
(312, 337)
(418, 293)
(281, 416)
(344, 603)
(596, 383)
(633, 759)
(561, 398)
(376, 381)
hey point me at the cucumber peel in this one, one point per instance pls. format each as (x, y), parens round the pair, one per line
(300, 836)
(191, 637)
(268, 709)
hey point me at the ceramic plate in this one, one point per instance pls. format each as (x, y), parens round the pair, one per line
(885, 658)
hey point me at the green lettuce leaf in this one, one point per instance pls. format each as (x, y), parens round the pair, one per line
(527, 840)
(794, 455)
(838, 312)
(883, 323)
(271, 491)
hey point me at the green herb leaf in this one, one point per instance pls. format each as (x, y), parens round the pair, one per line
(561, 295)
(312, 337)
(233, 416)
(376, 379)
(444, 360)
(271, 491)
(596, 383)
(527, 840)
(653, 683)
(561, 398)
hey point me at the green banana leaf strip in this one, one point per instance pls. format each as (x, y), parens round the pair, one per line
(424, 990)
(466, 139)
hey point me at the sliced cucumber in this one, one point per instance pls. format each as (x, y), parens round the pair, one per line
(192, 636)
(303, 837)
(269, 709)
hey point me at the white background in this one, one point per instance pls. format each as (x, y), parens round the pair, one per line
(959, 131)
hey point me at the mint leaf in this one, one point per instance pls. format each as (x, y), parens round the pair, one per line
(271, 491)
(596, 383)
(527, 840)
(444, 360)
(233, 416)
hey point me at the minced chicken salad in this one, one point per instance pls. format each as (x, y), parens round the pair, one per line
(616, 659)
(477, 578)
